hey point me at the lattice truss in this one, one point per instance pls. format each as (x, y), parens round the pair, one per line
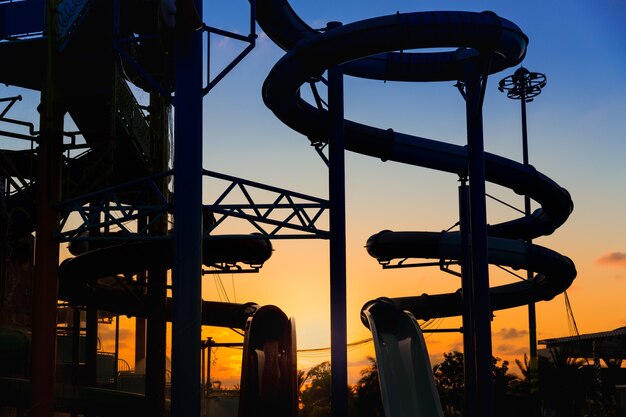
(131, 210)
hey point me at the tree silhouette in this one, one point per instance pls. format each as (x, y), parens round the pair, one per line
(368, 401)
(561, 384)
(449, 378)
(316, 392)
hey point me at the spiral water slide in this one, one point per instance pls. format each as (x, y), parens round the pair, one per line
(365, 49)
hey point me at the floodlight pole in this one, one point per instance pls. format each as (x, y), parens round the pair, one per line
(524, 85)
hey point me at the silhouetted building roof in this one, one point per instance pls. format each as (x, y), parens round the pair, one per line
(606, 345)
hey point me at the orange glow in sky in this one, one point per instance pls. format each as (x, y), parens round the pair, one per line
(577, 138)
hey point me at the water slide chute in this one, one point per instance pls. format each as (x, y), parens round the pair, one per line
(368, 49)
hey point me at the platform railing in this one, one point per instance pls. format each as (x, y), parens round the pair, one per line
(132, 118)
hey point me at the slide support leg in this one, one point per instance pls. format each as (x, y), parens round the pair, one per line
(481, 314)
(187, 271)
(338, 326)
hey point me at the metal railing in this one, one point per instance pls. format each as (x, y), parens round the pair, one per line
(132, 117)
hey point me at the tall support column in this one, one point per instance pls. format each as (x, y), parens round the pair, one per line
(140, 322)
(46, 249)
(469, 343)
(187, 271)
(337, 197)
(157, 279)
(140, 331)
(481, 314)
(91, 346)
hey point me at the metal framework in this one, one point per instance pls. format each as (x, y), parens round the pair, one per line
(250, 39)
(289, 210)
(285, 215)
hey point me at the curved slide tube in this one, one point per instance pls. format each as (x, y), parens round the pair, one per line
(268, 371)
(313, 52)
(79, 276)
(555, 272)
(366, 49)
(406, 379)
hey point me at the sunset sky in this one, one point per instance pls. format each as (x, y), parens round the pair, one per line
(577, 137)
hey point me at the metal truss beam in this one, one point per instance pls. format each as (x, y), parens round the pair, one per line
(277, 214)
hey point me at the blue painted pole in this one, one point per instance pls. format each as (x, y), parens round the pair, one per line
(337, 195)
(481, 313)
(187, 271)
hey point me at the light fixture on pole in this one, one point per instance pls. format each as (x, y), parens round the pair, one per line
(524, 85)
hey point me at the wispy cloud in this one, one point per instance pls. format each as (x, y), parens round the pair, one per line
(511, 349)
(511, 333)
(613, 259)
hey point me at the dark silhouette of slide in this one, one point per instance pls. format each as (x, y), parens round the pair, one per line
(87, 278)
(407, 384)
(100, 102)
(366, 49)
(268, 370)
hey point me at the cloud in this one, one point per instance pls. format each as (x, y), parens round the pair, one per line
(613, 259)
(511, 333)
(511, 349)
(222, 42)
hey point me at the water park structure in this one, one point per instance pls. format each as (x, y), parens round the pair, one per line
(108, 190)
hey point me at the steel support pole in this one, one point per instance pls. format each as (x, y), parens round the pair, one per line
(117, 348)
(91, 346)
(202, 367)
(469, 354)
(75, 351)
(208, 368)
(156, 335)
(532, 315)
(76, 346)
(478, 241)
(337, 197)
(187, 271)
(140, 322)
(46, 248)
